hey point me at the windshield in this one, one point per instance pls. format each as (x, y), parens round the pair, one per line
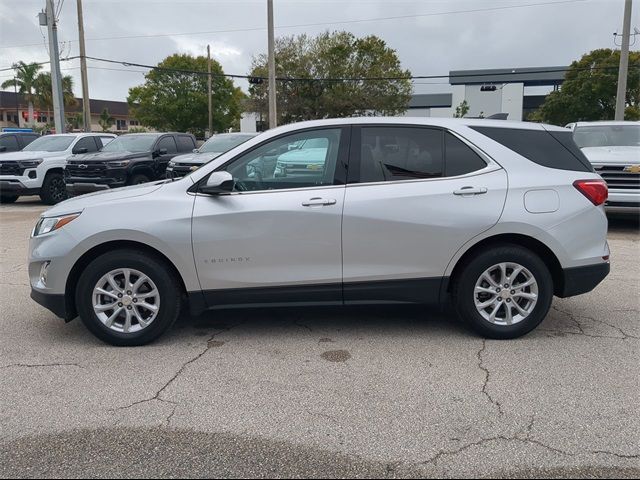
(607, 136)
(50, 143)
(223, 143)
(130, 143)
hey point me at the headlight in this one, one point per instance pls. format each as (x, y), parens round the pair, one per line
(171, 164)
(121, 163)
(49, 224)
(30, 163)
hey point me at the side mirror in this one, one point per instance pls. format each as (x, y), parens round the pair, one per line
(195, 150)
(80, 150)
(162, 151)
(218, 183)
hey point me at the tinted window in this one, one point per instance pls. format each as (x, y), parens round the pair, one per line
(86, 142)
(169, 143)
(185, 143)
(304, 159)
(460, 158)
(27, 139)
(400, 153)
(9, 141)
(538, 146)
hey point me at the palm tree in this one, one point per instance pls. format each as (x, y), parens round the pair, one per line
(25, 82)
(44, 91)
(106, 120)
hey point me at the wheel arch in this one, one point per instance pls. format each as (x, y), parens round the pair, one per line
(547, 255)
(146, 170)
(81, 264)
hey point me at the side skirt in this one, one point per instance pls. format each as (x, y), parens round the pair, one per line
(421, 291)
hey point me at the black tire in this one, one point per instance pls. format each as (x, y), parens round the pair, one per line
(465, 282)
(156, 269)
(8, 198)
(53, 189)
(138, 179)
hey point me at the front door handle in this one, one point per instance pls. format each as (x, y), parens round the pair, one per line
(470, 191)
(318, 202)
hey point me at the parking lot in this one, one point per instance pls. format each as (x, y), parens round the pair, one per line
(324, 392)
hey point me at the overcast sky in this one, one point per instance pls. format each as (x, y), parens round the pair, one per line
(431, 38)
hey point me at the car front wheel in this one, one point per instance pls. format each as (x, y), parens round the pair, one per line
(128, 298)
(504, 292)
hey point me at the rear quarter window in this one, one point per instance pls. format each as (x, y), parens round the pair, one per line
(549, 149)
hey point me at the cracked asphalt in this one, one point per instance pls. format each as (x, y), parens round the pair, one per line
(323, 392)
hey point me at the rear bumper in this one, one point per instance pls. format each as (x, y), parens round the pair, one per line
(579, 280)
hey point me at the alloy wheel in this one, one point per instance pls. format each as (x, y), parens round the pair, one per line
(506, 293)
(126, 300)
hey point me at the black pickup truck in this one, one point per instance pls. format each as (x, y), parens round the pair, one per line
(16, 141)
(128, 160)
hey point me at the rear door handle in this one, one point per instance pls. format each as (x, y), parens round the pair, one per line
(318, 202)
(470, 191)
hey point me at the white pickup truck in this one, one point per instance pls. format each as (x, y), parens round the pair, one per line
(38, 168)
(613, 148)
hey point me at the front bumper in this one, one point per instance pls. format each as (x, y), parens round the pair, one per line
(179, 171)
(56, 303)
(16, 187)
(81, 188)
(623, 201)
(579, 280)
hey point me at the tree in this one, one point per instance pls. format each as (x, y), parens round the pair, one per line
(75, 121)
(24, 81)
(106, 120)
(589, 90)
(462, 109)
(44, 91)
(174, 98)
(331, 56)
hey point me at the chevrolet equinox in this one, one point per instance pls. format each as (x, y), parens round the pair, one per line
(492, 217)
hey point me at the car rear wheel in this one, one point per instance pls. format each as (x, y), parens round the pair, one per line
(53, 189)
(8, 198)
(128, 298)
(504, 292)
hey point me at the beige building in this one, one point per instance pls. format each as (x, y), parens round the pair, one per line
(14, 112)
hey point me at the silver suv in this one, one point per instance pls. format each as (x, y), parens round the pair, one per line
(497, 217)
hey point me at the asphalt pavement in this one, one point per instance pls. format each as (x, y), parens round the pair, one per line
(323, 392)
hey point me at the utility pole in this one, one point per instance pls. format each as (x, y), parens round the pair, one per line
(273, 119)
(15, 90)
(86, 107)
(56, 78)
(209, 91)
(624, 62)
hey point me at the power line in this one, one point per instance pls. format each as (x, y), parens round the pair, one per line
(504, 75)
(340, 22)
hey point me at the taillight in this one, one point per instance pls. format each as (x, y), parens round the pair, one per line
(595, 190)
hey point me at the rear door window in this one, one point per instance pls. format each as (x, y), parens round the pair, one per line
(400, 153)
(460, 158)
(185, 143)
(548, 149)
